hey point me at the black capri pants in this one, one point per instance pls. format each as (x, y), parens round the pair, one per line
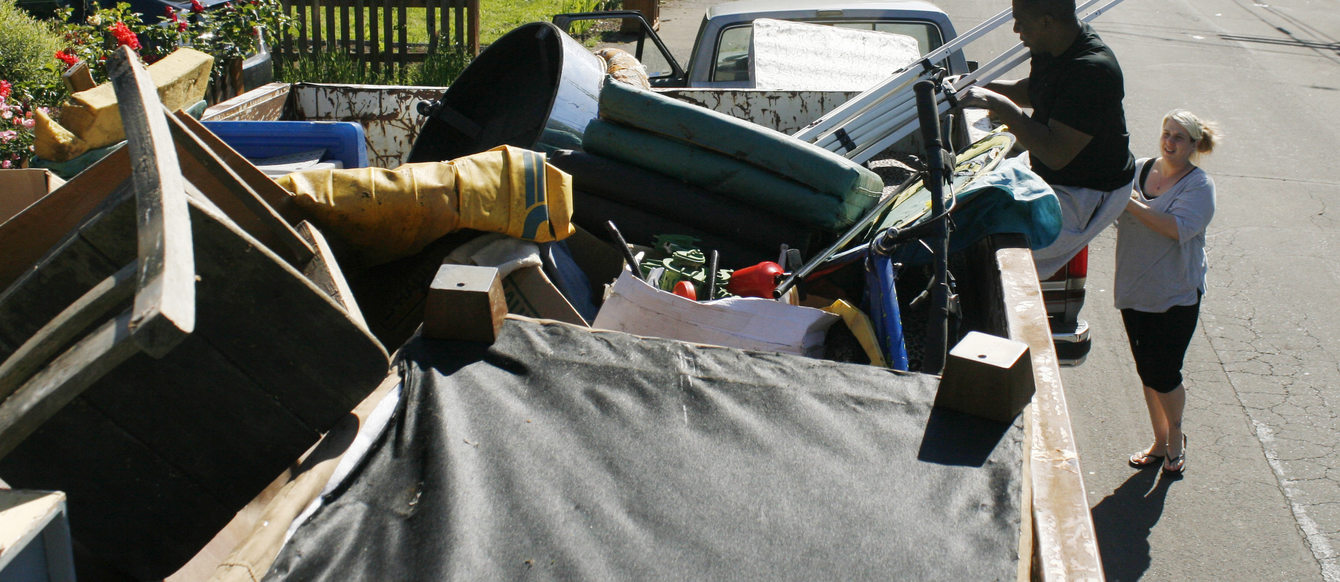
(1159, 342)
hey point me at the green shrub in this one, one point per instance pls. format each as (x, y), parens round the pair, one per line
(329, 67)
(442, 68)
(27, 54)
(439, 69)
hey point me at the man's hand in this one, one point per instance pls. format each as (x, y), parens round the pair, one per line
(981, 98)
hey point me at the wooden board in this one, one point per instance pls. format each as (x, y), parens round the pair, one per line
(30, 234)
(121, 493)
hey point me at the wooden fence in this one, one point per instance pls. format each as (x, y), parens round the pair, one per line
(374, 32)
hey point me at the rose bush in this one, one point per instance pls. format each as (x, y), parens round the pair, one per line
(228, 33)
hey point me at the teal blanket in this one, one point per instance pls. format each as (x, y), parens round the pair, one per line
(1010, 198)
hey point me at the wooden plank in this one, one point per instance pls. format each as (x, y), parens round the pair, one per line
(402, 23)
(265, 188)
(253, 539)
(61, 381)
(63, 330)
(300, 7)
(472, 32)
(295, 340)
(332, 42)
(318, 41)
(459, 24)
(285, 49)
(78, 78)
(344, 27)
(128, 506)
(31, 233)
(1065, 539)
(374, 36)
(430, 18)
(324, 272)
(359, 24)
(388, 37)
(222, 182)
(164, 311)
(207, 416)
(41, 294)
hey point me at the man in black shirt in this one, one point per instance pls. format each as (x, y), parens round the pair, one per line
(1076, 136)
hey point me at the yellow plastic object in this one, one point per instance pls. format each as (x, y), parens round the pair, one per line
(90, 119)
(53, 142)
(382, 215)
(861, 327)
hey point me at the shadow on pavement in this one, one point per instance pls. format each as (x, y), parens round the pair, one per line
(1122, 521)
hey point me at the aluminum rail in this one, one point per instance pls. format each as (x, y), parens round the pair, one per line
(902, 79)
(885, 114)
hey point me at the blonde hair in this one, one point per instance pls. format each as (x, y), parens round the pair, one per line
(1204, 132)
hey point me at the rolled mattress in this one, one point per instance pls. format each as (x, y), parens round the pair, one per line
(795, 159)
(678, 201)
(716, 172)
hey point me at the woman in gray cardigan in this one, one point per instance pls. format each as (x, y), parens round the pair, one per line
(1160, 275)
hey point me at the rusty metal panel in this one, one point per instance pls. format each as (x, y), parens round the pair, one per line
(784, 111)
(386, 112)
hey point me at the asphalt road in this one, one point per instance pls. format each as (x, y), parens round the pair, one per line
(1261, 498)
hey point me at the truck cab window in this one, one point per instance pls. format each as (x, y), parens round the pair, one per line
(732, 57)
(732, 62)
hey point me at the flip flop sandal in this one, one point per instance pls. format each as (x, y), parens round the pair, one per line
(1144, 459)
(1179, 461)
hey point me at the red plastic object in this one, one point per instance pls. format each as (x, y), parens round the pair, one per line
(685, 289)
(757, 281)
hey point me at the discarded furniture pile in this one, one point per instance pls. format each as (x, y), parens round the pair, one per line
(585, 329)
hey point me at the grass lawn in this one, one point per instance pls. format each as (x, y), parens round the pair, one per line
(497, 17)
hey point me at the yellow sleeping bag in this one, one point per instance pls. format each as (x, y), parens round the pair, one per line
(381, 215)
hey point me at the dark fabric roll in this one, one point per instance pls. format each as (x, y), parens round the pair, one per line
(720, 173)
(681, 202)
(798, 160)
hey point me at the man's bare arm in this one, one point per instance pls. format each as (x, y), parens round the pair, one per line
(1055, 144)
(1016, 91)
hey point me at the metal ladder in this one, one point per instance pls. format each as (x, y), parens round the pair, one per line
(881, 116)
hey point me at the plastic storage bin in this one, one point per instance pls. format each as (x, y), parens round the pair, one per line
(342, 140)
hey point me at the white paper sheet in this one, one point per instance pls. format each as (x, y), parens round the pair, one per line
(748, 323)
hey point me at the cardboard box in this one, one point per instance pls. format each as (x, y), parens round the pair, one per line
(20, 188)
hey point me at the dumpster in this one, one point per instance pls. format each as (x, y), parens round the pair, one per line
(1056, 540)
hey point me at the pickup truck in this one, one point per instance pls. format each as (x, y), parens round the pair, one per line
(717, 76)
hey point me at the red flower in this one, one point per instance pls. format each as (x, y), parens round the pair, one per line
(5, 89)
(197, 7)
(124, 37)
(67, 58)
(181, 26)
